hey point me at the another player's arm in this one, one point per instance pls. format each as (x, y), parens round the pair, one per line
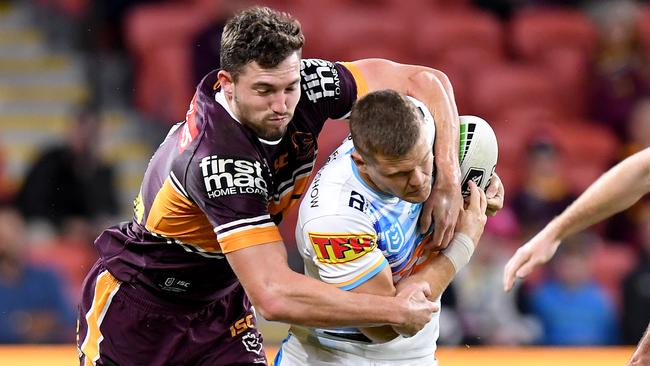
(641, 356)
(380, 284)
(438, 273)
(616, 190)
(255, 251)
(434, 89)
(441, 269)
(280, 294)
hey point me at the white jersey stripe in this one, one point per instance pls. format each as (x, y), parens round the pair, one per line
(242, 221)
(222, 235)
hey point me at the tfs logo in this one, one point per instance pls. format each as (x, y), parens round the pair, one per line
(341, 248)
(225, 176)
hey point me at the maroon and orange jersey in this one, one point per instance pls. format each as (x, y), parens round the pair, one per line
(213, 187)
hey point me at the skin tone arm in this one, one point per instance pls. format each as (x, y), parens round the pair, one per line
(616, 190)
(641, 356)
(613, 192)
(433, 88)
(438, 273)
(280, 294)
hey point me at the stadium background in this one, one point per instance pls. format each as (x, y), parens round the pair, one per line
(565, 84)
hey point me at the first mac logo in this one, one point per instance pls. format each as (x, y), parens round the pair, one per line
(228, 176)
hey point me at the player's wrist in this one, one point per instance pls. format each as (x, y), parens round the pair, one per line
(460, 250)
(555, 230)
(446, 179)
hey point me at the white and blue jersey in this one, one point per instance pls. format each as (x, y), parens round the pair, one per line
(346, 233)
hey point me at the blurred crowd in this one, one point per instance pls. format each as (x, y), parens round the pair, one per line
(565, 84)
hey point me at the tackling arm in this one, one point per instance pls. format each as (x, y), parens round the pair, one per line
(280, 294)
(432, 87)
(440, 269)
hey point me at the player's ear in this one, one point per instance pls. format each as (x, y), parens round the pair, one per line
(359, 162)
(226, 80)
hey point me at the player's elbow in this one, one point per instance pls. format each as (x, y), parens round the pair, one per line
(270, 307)
(430, 76)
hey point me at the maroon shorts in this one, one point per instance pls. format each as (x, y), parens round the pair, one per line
(122, 324)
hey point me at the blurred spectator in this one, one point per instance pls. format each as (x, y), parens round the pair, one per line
(70, 254)
(70, 181)
(545, 191)
(33, 308)
(621, 77)
(574, 310)
(636, 286)
(5, 185)
(638, 129)
(488, 316)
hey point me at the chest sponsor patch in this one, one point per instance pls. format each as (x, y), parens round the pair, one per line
(225, 176)
(341, 248)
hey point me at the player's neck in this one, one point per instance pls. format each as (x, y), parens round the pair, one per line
(370, 184)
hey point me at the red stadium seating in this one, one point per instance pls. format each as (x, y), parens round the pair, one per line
(499, 88)
(590, 151)
(459, 38)
(514, 130)
(563, 41)
(349, 33)
(158, 37)
(538, 30)
(643, 26)
(454, 41)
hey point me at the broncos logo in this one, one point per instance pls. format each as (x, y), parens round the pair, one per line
(303, 144)
(252, 342)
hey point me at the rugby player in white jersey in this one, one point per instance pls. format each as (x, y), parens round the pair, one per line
(357, 230)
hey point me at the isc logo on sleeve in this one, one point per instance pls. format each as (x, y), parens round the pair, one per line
(341, 248)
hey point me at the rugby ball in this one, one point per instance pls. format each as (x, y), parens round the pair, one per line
(477, 153)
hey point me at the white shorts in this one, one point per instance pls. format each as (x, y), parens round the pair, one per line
(300, 352)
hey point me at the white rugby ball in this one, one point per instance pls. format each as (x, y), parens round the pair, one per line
(478, 152)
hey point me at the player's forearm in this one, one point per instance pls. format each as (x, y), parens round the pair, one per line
(644, 343)
(641, 356)
(438, 273)
(280, 294)
(433, 88)
(616, 190)
(313, 303)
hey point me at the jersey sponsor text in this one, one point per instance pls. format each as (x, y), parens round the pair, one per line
(227, 176)
(341, 248)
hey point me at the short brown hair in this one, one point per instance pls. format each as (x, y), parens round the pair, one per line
(385, 123)
(259, 34)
